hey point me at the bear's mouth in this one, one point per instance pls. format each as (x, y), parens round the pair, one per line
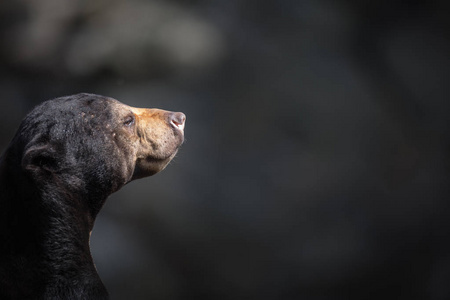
(151, 165)
(160, 134)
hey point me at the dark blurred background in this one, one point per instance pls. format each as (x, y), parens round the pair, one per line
(316, 164)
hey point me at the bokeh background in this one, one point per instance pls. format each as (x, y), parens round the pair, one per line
(316, 164)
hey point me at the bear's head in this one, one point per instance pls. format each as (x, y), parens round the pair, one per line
(68, 155)
(92, 145)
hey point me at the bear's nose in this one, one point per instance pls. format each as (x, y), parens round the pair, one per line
(177, 119)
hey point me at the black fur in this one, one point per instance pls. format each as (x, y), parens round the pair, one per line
(55, 176)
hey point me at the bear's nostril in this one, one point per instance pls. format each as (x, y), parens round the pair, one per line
(177, 119)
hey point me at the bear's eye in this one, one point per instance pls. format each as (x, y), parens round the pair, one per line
(129, 121)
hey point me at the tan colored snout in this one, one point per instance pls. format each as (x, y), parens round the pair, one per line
(152, 116)
(160, 134)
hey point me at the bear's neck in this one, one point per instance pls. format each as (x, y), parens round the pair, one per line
(47, 239)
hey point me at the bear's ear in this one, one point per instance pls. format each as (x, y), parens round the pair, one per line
(40, 159)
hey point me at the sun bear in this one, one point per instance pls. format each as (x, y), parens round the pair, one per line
(68, 155)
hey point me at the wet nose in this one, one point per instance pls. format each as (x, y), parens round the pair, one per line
(177, 119)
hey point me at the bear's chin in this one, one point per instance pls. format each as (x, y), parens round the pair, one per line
(150, 166)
